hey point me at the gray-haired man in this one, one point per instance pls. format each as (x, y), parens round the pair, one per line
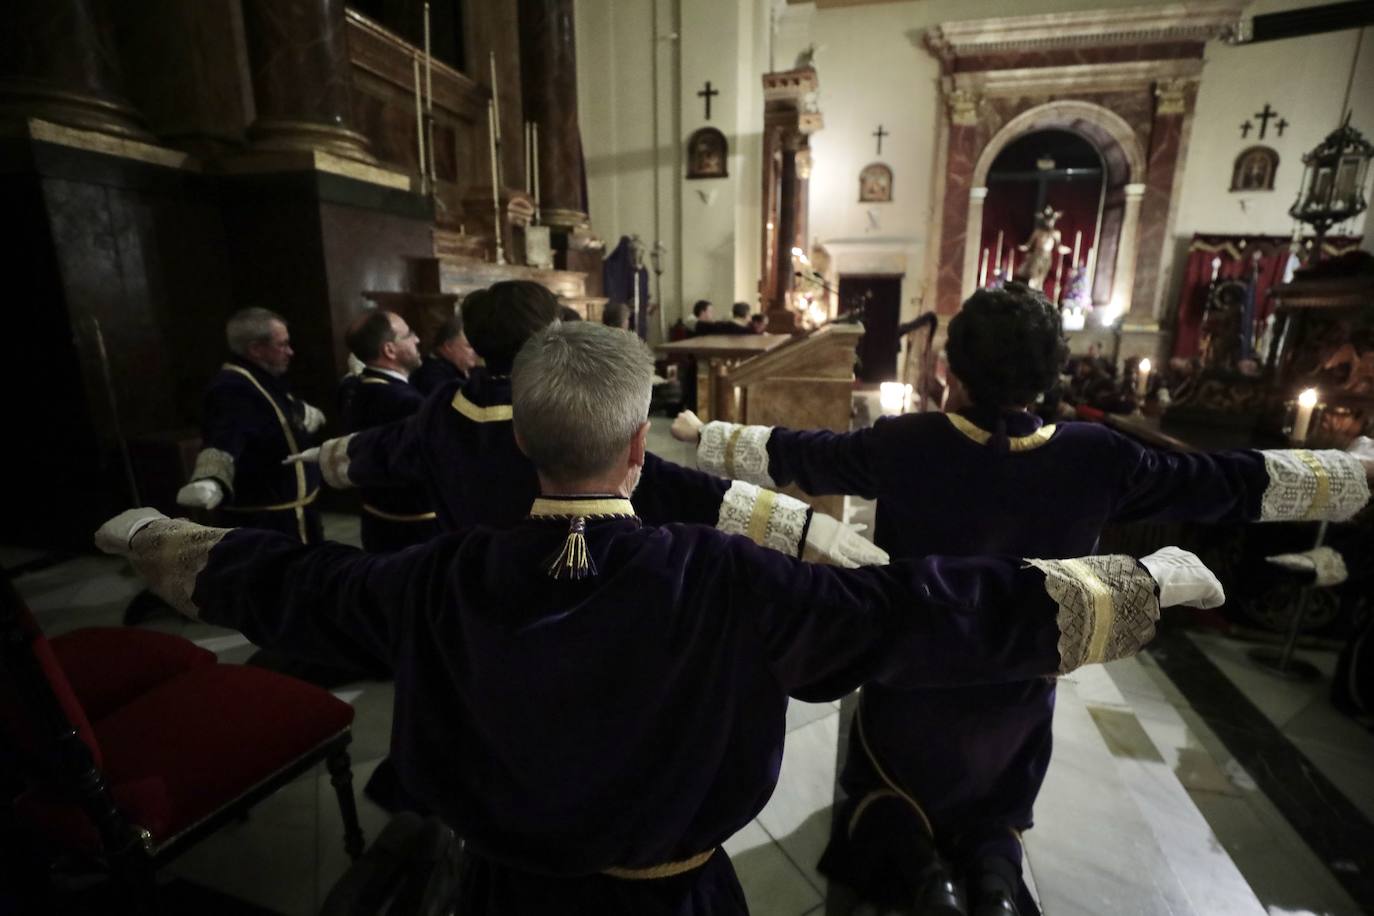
(595, 704)
(250, 422)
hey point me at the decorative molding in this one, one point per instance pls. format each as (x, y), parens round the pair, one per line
(789, 85)
(1171, 22)
(1172, 95)
(1077, 78)
(388, 57)
(963, 107)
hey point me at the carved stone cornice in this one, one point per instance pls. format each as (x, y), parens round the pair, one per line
(1075, 78)
(389, 57)
(1170, 22)
(789, 85)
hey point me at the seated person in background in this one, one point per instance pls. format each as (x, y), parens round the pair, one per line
(393, 517)
(568, 313)
(595, 704)
(701, 311)
(450, 357)
(758, 323)
(250, 422)
(738, 323)
(461, 446)
(616, 315)
(990, 479)
(739, 314)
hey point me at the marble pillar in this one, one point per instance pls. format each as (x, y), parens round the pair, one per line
(302, 80)
(58, 62)
(1123, 281)
(548, 80)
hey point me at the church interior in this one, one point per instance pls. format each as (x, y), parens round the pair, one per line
(789, 202)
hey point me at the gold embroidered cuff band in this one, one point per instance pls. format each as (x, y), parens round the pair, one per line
(169, 554)
(214, 464)
(1107, 608)
(1323, 485)
(334, 462)
(735, 451)
(772, 520)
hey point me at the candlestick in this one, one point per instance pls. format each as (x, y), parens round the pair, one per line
(1090, 267)
(419, 123)
(997, 260)
(534, 133)
(1142, 378)
(495, 185)
(983, 270)
(1306, 401)
(529, 185)
(1216, 267)
(1077, 240)
(429, 66)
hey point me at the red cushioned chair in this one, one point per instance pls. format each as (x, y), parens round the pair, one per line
(131, 759)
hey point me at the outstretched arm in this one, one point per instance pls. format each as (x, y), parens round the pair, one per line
(818, 461)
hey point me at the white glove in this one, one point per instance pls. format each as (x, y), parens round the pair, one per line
(1326, 565)
(1363, 449)
(1183, 579)
(686, 427)
(829, 540)
(116, 535)
(309, 456)
(201, 494)
(314, 418)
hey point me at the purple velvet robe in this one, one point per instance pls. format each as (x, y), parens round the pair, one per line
(238, 420)
(376, 400)
(629, 719)
(975, 757)
(478, 475)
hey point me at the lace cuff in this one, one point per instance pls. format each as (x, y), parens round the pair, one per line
(735, 451)
(213, 464)
(334, 462)
(1303, 485)
(170, 554)
(772, 520)
(1107, 608)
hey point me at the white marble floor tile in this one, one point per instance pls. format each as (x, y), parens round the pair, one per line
(1280, 700)
(773, 885)
(800, 713)
(1092, 851)
(268, 860)
(799, 813)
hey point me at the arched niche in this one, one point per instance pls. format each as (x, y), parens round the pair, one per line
(1123, 162)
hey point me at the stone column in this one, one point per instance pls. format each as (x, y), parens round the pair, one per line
(302, 84)
(960, 156)
(58, 62)
(1123, 281)
(548, 79)
(974, 240)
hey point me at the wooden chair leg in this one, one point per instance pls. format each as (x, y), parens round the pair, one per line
(341, 777)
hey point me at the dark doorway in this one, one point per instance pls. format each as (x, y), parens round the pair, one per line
(880, 297)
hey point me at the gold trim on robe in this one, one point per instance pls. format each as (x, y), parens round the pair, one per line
(1015, 443)
(608, 507)
(302, 498)
(395, 517)
(496, 413)
(1325, 485)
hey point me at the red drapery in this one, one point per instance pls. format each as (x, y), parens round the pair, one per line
(1263, 256)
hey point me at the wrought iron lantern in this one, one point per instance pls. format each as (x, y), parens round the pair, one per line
(1333, 180)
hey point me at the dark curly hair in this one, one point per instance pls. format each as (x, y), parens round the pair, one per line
(498, 320)
(1006, 346)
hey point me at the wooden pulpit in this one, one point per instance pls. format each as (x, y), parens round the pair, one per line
(803, 382)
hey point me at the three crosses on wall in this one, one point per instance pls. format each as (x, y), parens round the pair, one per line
(1264, 115)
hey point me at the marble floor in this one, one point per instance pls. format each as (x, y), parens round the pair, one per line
(1152, 805)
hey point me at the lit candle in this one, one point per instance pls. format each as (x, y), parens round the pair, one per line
(1077, 240)
(419, 119)
(893, 397)
(983, 270)
(997, 260)
(495, 185)
(429, 67)
(494, 100)
(1306, 401)
(1142, 378)
(529, 184)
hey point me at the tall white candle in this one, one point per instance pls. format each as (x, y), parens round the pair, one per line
(1077, 240)
(983, 271)
(495, 185)
(419, 120)
(534, 133)
(1306, 402)
(529, 183)
(1142, 378)
(429, 67)
(495, 100)
(997, 260)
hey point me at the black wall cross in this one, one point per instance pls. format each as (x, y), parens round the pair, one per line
(880, 133)
(707, 94)
(1264, 117)
(1245, 129)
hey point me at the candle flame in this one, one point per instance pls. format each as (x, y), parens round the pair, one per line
(1145, 365)
(1308, 398)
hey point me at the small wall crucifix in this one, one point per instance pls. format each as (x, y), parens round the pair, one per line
(1264, 117)
(880, 133)
(707, 94)
(1245, 129)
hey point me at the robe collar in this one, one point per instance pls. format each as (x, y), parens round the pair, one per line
(1023, 430)
(575, 560)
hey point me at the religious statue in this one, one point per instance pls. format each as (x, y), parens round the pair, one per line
(1043, 246)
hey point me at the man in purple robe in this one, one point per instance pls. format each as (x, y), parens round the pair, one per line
(460, 445)
(596, 704)
(966, 764)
